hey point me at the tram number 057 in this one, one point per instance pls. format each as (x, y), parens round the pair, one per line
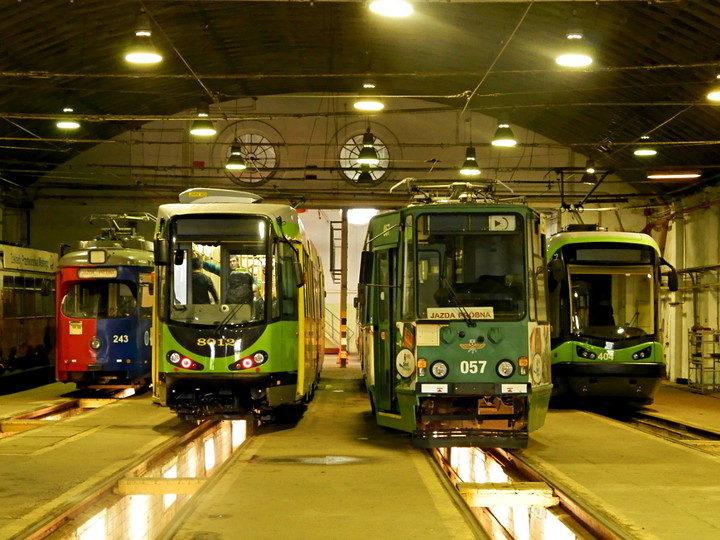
(472, 366)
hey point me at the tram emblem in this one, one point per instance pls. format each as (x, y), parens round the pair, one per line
(472, 346)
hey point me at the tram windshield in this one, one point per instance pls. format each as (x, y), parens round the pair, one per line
(221, 271)
(99, 300)
(611, 302)
(468, 265)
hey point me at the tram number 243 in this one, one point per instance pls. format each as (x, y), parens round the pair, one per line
(121, 338)
(472, 366)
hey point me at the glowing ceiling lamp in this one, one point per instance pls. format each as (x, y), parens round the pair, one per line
(577, 52)
(202, 125)
(67, 121)
(504, 136)
(235, 161)
(366, 101)
(470, 165)
(368, 155)
(142, 50)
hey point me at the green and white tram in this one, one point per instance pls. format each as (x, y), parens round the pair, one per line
(603, 297)
(238, 322)
(454, 333)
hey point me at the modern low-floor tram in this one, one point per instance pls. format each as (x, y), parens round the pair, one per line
(603, 296)
(239, 314)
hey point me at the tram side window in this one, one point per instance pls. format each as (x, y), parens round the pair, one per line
(8, 297)
(288, 286)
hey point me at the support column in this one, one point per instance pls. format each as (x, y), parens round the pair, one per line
(343, 354)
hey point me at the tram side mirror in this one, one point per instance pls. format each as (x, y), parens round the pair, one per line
(672, 276)
(557, 270)
(366, 264)
(160, 252)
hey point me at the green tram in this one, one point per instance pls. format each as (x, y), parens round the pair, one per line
(603, 298)
(239, 314)
(454, 334)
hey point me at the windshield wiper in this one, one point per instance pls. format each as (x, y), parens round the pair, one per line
(464, 312)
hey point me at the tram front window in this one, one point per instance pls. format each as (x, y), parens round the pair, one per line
(469, 260)
(223, 280)
(611, 303)
(99, 300)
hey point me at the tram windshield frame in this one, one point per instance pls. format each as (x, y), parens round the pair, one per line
(466, 264)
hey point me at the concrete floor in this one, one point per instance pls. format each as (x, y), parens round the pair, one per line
(335, 475)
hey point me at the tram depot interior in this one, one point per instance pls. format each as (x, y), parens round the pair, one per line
(278, 81)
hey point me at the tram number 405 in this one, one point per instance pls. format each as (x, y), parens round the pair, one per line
(472, 366)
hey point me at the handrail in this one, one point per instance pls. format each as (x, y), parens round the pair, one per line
(332, 327)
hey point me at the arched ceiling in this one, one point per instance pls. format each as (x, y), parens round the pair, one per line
(654, 61)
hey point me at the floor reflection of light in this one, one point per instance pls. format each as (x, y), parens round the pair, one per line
(170, 498)
(94, 528)
(239, 432)
(209, 449)
(138, 518)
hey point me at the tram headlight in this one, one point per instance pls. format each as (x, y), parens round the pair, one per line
(582, 352)
(250, 361)
(96, 343)
(439, 369)
(505, 368)
(181, 361)
(643, 353)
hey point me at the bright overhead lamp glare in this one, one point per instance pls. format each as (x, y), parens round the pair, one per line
(645, 151)
(67, 122)
(142, 51)
(574, 60)
(391, 8)
(366, 101)
(713, 94)
(235, 162)
(470, 166)
(504, 136)
(368, 155)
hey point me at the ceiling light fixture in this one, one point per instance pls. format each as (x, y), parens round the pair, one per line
(589, 177)
(366, 101)
(202, 125)
(470, 166)
(673, 175)
(142, 50)
(235, 161)
(504, 136)
(576, 51)
(644, 151)
(368, 155)
(67, 122)
(391, 8)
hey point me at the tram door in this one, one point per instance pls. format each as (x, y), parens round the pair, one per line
(384, 338)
